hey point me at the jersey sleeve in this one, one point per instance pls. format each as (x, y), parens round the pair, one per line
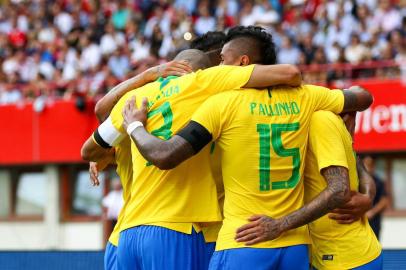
(325, 99)
(222, 78)
(325, 140)
(209, 115)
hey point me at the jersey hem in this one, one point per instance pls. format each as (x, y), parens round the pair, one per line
(350, 265)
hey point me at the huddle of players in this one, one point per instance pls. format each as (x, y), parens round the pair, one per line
(277, 145)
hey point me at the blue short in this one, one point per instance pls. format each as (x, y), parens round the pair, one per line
(286, 258)
(210, 248)
(376, 264)
(110, 257)
(157, 248)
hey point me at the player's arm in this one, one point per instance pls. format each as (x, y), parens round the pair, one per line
(105, 105)
(271, 75)
(263, 228)
(96, 167)
(356, 98)
(360, 202)
(163, 154)
(101, 142)
(223, 78)
(366, 182)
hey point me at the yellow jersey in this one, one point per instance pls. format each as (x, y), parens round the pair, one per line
(262, 136)
(125, 172)
(185, 196)
(335, 246)
(211, 230)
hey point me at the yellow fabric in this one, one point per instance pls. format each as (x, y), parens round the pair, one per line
(188, 192)
(125, 172)
(352, 245)
(211, 230)
(178, 226)
(235, 119)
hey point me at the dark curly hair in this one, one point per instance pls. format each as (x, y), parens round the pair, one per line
(212, 40)
(255, 42)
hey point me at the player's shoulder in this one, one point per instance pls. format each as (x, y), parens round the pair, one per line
(227, 96)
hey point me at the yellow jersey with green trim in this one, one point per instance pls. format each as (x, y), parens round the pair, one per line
(262, 135)
(335, 246)
(125, 172)
(187, 194)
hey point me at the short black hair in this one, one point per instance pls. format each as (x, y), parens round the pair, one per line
(212, 40)
(255, 42)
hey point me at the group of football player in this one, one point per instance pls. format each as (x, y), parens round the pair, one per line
(229, 161)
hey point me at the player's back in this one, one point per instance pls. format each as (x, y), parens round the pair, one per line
(188, 192)
(335, 246)
(263, 136)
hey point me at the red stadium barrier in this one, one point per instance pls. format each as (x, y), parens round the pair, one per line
(56, 134)
(382, 128)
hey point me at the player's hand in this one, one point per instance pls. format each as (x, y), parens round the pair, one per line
(132, 113)
(352, 210)
(94, 174)
(260, 229)
(172, 68)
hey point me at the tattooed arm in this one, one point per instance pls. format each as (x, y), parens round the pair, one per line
(106, 104)
(360, 202)
(366, 182)
(264, 228)
(165, 155)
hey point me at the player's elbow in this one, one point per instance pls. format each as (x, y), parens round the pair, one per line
(87, 151)
(165, 161)
(368, 99)
(99, 111)
(85, 154)
(340, 196)
(294, 75)
(363, 97)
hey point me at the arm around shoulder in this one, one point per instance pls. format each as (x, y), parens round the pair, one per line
(271, 75)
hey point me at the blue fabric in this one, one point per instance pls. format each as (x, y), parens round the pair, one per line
(209, 248)
(376, 264)
(110, 257)
(157, 248)
(286, 258)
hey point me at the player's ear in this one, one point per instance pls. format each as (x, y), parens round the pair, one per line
(244, 60)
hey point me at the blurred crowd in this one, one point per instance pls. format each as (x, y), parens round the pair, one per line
(69, 48)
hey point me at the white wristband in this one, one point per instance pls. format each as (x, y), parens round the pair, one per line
(131, 127)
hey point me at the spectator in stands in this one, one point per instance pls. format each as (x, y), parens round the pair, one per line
(78, 43)
(205, 22)
(113, 202)
(288, 54)
(356, 51)
(387, 18)
(381, 200)
(119, 63)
